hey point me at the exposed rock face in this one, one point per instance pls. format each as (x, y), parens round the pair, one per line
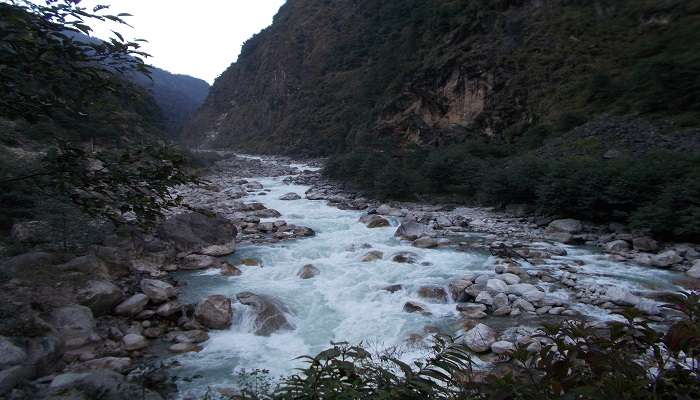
(214, 312)
(194, 232)
(270, 313)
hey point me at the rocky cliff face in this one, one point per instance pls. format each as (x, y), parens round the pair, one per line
(327, 77)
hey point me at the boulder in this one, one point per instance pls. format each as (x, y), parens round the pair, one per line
(180, 348)
(666, 259)
(119, 364)
(12, 377)
(192, 336)
(269, 313)
(376, 221)
(133, 305)
(290, 196)
(571, 226)
(496, 286)
(89, 265)
(26, 262)
(169, 309)
(523, 304)
(645, 244)
(425, 242)
(157, 291)
(393, 288)
(31, 232)
(219, 250)
(434, 293)
(373, 255)
(617, 246)
(502, 347)
(10, 354)
(500, 300)
(411, 230)
(484, 298)
(621, 296)
(509, 278)
(100, 296)
(561, 237)
(472, 310)
(230, 270)
(415, 307)
(98, 384)
(308, 271)
(457, 289)
(214, 312)
(197, 261)
(694, 271)
(405, 257)
(44, 353)
(480, 338)
(75, 324)
(192, 232)
(134, 342)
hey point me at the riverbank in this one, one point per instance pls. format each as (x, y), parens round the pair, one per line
(293, 262)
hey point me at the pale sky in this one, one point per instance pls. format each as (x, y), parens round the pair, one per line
(199, 38)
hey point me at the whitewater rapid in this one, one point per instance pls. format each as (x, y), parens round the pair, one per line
(346, 301)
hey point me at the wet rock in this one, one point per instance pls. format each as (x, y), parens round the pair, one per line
(415, 307)
(270, 313)
(376, 221)
(523, 304)
(411, 230)
(133, 305)
(648, 307)
(457, 289)
(472, 310)
(480, 338)
(192, 232)
(617, 246)
(290, 196)
(500, 300)
(527, 291)
(434, 293)
(193, 336)
(10, 354)
(75, 324)
(484, 298)
(12, 377)
(405, 257)
(229, 270)
(133, 342)
(666, 259)
(694, 271)
(219, 250)
(373, 255)
(157, 291)
(425, 242)
(501, 311)
(197, 261)
(509, 278)
(100, 296)
(392, 288)
(621, 296)
(180, 348)
(268, 213)
(308, 271)
(168, 309)
(214, 312)
(645, 244)
(571, 226)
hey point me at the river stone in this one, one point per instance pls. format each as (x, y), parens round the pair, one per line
(504, 310)
(415, 307)
(571, 226)
(269, 311)
(157, 291)
(168, 309)
(10, 354)
(411, 230)
(373, 255)
(561, 237)
(509, 278)
(75, 324)
(119, 364)
(230, 270)
(472, 310)
(13, 376)
(197, 261)
(133, 342)
(290, 196)
(405, 257)
(617, 246)
(523, 304)
(219, 250)
(621, 296)
(457, 289)
(193, 336)
(425, 242)
(502, 347)
(180, 348)
(192, 231)
(434, 293)
(100, 296)
(694, 272)
(133, 305)
(308, 271)
(645, 244)
(214, 312)
(27, 262)
(484, 298)
(480, 338)
(666, 259)
(392, 288)
(496, 286)
(500, 300)
(98, 384)
(376, 221)
(89, 265)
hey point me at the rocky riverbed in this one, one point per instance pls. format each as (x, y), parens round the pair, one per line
(284, 262)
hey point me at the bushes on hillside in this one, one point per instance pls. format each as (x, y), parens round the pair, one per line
(656, 192)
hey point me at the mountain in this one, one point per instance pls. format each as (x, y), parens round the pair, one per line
(177, 96)
(330, 76)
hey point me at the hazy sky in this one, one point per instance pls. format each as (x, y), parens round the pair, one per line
(199, 38)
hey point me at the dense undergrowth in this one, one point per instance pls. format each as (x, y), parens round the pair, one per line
(656, 191)
(625, 360)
